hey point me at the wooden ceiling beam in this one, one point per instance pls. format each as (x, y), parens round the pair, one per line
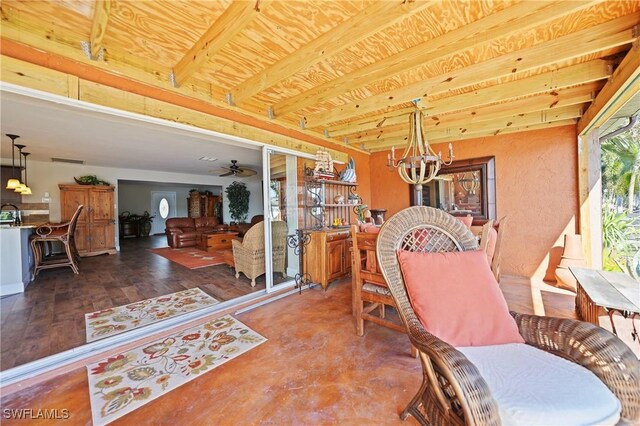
(621, 87)
(369, 21)
(489, 133)
(441, 137)
(547, 82)
(520, 17)
(614, 33)
(232, 21)
(561, 98)
(515, 120)
(101, 12)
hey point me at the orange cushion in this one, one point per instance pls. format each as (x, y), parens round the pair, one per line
(492, 239)
(467, 220)
(457, 299)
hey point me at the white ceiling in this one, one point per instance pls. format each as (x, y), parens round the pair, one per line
(50, 129)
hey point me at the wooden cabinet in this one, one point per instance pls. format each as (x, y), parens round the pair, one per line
(203, 204)
(328, 256)
(96, 229)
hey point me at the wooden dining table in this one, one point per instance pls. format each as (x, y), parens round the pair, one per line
(614, 292)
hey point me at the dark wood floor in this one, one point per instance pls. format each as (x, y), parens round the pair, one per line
(48, 317)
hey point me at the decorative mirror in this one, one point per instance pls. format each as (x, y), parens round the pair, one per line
(466, 187)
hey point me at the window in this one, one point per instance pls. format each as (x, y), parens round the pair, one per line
(163, 208)
(462, 188)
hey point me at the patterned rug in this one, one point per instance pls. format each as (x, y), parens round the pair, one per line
(190, 257)
(120, 384)
(109, 322)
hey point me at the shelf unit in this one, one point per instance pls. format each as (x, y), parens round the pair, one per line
(320, 206)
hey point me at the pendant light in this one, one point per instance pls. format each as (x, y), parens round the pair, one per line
(21, 186)
(26, 190)
(13, 183)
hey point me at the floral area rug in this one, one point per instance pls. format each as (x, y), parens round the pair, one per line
(190, 257)
(109, 322)
(120, 384)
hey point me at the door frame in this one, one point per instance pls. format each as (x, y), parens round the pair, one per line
(266, 179)
(174, 209)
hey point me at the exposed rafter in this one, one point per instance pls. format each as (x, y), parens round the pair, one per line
(545, 82)
(234, 19)
(610, 34)
(557, 99)
(517, 120)
(516, 18)
(490, 61)
(101, 12)
(371, 20)
(622, 86)
(503, 131)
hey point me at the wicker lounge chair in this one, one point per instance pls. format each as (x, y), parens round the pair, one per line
(453, 392)
(248, 253)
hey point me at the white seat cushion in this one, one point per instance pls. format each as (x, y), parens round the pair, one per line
(534, 387)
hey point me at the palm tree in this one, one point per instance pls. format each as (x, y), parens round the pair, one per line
(621, 165)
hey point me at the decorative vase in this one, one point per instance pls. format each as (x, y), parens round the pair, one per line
(571, 256)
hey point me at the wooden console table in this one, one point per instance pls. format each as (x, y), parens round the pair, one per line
(215, 241)
(612, 291)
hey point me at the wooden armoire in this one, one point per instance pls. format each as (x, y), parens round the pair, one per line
(96, 229)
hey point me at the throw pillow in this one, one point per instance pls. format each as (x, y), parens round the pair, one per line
(467, 220)
(456, 298)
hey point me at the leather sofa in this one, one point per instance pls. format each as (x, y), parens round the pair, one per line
(183, 231)
(244, 227)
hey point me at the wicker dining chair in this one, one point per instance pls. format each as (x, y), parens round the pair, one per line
(453, 392)
(63, 233)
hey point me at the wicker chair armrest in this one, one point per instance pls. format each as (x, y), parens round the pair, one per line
(592, 347)
(46, 230)
(471, 390)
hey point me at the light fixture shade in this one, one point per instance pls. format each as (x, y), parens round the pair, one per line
(20, 188)
(26, 191)
(13, 183)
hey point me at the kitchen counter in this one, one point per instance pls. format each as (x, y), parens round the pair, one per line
(16, 258)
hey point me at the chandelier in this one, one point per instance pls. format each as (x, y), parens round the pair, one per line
(469, 184)
(419, 163)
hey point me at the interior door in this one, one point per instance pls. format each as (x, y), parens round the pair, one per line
(283, 178)
(102, 219)
(163, 206)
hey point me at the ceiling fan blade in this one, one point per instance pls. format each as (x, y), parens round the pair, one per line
(226, 174)
(246, 173)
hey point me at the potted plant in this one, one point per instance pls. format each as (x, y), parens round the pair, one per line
(144, 223)
(238, 196)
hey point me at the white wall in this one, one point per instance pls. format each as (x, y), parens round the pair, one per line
(45, 177)
(135, 197)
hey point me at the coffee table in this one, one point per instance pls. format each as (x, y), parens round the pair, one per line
(215, 241)
(612, 291)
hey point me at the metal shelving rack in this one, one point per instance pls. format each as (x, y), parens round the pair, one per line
(320, 206)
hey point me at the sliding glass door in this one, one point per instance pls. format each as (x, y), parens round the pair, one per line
(283, 214)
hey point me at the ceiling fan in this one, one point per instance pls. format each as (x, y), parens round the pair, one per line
(234, 170)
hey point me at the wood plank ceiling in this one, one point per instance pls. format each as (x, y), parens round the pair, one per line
(351, 71)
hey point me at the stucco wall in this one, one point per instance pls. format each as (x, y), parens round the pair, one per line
(536, 185)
